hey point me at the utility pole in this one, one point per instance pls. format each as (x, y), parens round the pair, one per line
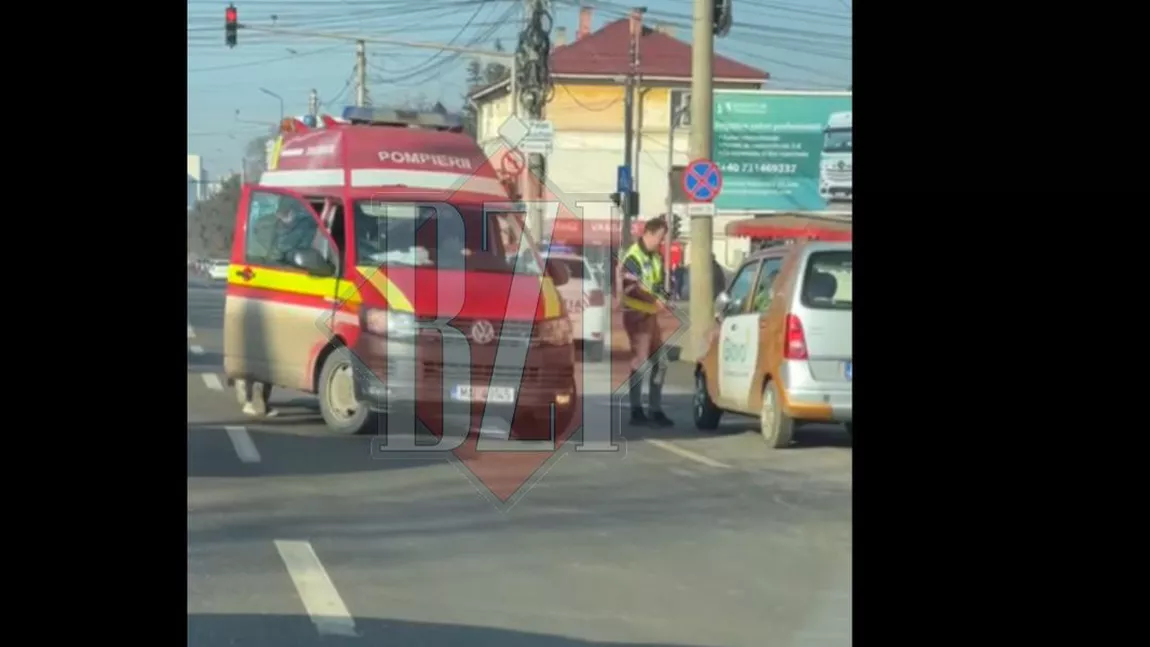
(702, 306)
(676, 117)
(360, 73)
(628, 203)
(313, 103)
(532, 80)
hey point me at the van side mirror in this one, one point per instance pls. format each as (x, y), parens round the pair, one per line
(558, 272)
(312, 262)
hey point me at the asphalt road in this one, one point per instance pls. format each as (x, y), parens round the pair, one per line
(297, 537)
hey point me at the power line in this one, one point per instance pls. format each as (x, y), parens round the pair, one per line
(215, 68)
(431, 66)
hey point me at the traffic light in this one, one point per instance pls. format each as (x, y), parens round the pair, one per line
(721, 18)
(231, 25)
(675, 231)
(627, 202)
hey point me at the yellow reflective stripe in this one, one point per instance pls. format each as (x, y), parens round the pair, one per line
(349, 293)
(641, 306)
(551, 301)
(275, 160)
(396, 299)
(289, 282)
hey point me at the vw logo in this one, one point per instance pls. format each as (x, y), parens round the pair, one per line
(842, 165)
(482, 332)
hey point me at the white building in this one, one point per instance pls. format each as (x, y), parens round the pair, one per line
(198, 180)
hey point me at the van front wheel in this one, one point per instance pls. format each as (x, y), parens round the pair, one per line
(336, 391)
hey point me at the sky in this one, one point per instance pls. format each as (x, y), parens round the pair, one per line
(801, 43)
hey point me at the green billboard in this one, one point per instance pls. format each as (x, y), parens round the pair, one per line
(783, 150)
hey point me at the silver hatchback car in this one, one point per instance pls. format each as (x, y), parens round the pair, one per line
(781, 348)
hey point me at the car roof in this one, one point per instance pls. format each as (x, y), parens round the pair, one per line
(799, 247)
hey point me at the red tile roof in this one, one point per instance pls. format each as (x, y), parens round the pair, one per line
(605, 53)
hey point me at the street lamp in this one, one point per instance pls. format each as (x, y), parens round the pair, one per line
(278, 97)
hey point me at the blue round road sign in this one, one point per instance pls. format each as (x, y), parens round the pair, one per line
(702, 180)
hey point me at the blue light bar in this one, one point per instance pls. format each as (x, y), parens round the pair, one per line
(402, 118)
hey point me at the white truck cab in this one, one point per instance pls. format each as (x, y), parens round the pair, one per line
(835, 163)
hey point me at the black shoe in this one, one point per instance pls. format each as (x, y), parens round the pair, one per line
(638, 418)
(660, 419)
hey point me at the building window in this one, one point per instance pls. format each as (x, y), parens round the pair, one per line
(681, 106)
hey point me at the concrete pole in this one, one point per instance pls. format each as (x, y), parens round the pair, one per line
(360, 73)
(702, 59)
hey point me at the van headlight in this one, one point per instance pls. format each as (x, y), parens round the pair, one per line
(555, 332)
(389, 323)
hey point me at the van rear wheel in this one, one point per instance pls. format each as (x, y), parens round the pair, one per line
(777, 428)
(336, 391)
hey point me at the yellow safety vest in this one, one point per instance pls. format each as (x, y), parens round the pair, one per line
(651, 276)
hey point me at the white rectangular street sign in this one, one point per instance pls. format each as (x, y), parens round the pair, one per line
(539, 138)
(701, 210)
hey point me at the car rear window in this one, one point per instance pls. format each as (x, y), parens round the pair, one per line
(827, 282)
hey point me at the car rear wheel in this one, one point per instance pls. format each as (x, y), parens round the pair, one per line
(777, 428)
(706, 414)
(337, 404)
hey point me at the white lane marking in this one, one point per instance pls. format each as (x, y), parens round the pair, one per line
(196, 350)
(316, 591)
(191, 333)
(212, 381)
(685, 453)
(242, 443)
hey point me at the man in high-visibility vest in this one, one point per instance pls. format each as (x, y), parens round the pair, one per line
(640, 282)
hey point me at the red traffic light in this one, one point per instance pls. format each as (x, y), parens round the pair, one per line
(230, 25)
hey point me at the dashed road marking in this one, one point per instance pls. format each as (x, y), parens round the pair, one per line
(191, 333)
(196, 350)
(685, 453)
(212, 381)
(315, 589)
(242, 443)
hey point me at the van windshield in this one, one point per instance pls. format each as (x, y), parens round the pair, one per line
(419, 235)
(827, 283)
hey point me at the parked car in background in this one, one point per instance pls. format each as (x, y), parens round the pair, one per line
(217, 270)
(586, 305)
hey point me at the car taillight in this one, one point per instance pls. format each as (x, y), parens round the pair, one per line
(595, 298)
(796, 341)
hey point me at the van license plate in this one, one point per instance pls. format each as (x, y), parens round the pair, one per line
(848, 371)
(494, 394)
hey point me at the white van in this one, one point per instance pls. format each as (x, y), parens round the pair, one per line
(835, 162)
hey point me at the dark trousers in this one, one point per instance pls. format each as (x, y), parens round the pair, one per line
(646, 340)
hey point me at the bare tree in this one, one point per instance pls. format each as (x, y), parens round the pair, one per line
(255, 158)
(211, 223)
